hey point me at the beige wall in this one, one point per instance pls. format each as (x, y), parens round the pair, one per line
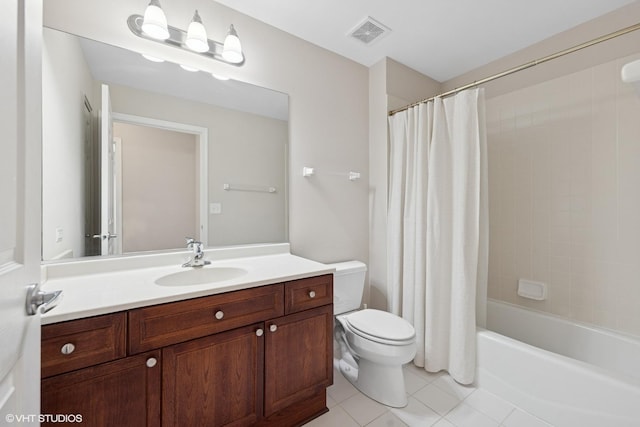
(243, 148)
(375, 293)
(406, 86)
(159, 209)
(329, 108)
(63, 140)
(249, 153)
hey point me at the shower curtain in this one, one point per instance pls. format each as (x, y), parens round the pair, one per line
(438, 228)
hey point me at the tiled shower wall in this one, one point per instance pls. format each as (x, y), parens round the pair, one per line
(564, 189)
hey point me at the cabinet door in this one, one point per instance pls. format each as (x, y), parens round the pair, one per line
(215, 380)
(125, 392)
(298, 357)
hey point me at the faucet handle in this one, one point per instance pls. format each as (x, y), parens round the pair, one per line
(198, 253)
(196, 245)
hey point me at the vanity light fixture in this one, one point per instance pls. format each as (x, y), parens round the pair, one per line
(197, 35)
(154, 23)
(153, 26)
(232, 51)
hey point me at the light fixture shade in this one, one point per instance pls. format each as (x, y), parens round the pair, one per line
(232, 51)
(197, 35)
(155, 22)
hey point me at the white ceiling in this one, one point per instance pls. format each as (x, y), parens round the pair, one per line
(114, 65)
(439, 38)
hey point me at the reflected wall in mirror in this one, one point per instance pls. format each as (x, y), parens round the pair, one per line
(175, 154)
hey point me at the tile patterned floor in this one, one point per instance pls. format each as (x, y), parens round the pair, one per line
(434, 400)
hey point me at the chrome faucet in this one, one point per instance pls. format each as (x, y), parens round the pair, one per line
(198, 254)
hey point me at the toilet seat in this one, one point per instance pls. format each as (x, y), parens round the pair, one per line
(381, 327)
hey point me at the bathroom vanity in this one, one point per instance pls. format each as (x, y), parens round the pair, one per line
(251, 350)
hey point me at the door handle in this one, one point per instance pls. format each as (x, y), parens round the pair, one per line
(37, 299)
(104, 236)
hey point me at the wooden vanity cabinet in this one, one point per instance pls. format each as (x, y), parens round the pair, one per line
(125, 392)
(214, 381)
(298, 358)
(85, 371)
(259, 356)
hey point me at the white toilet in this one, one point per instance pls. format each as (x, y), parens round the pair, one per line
(373, 344)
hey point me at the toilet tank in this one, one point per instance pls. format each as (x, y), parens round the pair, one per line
(348, 285)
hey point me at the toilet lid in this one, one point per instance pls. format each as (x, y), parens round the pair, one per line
(380, 324)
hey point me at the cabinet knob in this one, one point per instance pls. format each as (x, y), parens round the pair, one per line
(151, 362)
(259, 332)
(219, 314)
(312, 294)
(273, 328)
(68, 348)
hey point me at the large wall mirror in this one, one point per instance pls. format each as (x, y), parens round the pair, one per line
(138, 155)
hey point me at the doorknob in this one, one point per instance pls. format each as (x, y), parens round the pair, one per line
(104, 236)
(39, 299)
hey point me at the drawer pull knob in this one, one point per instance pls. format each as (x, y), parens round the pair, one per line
(273, 328)
(67, 348)
(259, 332)
(219, 314)
(312, 294)
(151, 362)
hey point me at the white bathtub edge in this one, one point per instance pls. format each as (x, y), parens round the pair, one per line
(562, 391)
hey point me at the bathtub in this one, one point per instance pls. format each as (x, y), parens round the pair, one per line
(567, 374)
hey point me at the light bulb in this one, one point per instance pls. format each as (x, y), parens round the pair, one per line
(197, 35)
(220, 76)
(155, 22)
(232, 51)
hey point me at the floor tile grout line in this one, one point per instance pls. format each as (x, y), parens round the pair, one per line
(515, 408)
(440, 387)
(348, 413)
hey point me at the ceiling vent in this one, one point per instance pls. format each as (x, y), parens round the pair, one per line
(369, 31)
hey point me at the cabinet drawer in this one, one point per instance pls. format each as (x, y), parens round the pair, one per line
(308, 293)
(76, 344)
(162, 325)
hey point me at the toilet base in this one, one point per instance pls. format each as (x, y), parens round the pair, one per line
(382, 383)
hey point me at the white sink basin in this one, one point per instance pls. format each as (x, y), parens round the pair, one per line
(200, 276)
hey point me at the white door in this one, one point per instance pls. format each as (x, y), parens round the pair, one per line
(107, 177)
(20, 212)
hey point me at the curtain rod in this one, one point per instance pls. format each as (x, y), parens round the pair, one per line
(525, 66)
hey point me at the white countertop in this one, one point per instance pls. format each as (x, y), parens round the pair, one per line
(88, 294)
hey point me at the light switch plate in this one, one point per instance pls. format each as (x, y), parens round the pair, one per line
(215, 208)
